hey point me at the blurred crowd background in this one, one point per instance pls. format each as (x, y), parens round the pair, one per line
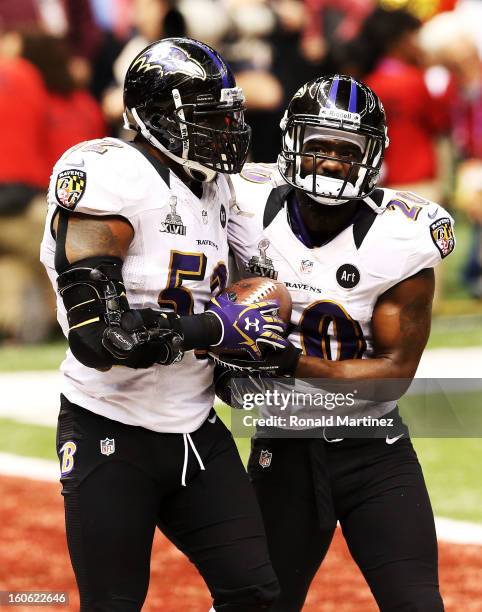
(62, 64)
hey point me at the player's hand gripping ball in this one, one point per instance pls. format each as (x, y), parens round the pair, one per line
(254, 313)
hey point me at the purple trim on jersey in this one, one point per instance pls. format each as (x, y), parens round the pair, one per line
(334, 91)
(352, 104)
(296, 221)
(220, 65)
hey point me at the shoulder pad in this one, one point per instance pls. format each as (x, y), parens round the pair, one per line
(258, 173)
(415, 232)
(100, 177)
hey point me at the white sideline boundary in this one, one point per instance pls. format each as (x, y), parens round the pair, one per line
(33, 397)
(448, 530)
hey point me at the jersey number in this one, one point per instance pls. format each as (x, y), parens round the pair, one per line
(188, 266)
(328, 331)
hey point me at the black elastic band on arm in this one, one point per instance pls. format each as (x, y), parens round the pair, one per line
(200, 331)
(61, 261)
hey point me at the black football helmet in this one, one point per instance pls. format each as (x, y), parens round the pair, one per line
(340, 108)
(182, 97)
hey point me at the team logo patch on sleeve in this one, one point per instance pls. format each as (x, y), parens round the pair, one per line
(442, 235)
(70, 187)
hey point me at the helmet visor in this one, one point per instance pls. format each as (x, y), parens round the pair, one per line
(219, 138)
(348, 160)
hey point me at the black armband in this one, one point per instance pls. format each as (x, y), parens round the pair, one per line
(199, 331)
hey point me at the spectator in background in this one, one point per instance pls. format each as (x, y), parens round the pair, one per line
(332, 22)
(450, 44)
(44, 114)
(387, 56)
(152, 20)
(250, 51)
(73, 114)
(24, 175)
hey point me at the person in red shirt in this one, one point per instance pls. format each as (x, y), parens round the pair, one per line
(23, 176)
(24, 108)
(74, 115)
(390, 62)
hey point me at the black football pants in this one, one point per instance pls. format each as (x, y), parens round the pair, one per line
(113, 503)
(376, 491)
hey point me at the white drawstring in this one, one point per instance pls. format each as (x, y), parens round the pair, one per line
(187, 438)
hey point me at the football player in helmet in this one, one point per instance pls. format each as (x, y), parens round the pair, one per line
(136, 244)
(193, 114)
(358, 261)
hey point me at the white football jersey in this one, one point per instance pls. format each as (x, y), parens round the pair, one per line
(334, 287)
(177, 259)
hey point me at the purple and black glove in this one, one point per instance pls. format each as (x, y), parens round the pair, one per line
(252, 333)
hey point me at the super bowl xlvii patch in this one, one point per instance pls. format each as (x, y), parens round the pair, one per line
(265, 458)
(107, 446)
(70, 187)
(173, 224)
(442, 235)
(262, 265)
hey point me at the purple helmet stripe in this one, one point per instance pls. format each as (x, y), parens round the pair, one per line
(352, 104)
(333, 90)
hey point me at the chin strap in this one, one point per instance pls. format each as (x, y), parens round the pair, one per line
(193, 169)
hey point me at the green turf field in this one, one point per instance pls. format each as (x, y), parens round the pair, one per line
(447, 331)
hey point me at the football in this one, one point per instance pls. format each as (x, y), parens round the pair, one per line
(258, 289)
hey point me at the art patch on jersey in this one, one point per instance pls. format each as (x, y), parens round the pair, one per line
(107, 446)
(261, 264)
(204, 216)
(348, 276)
(173, 224)
(442, 234)
(70, 187)
(222, 216)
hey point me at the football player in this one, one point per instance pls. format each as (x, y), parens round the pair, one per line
(136, 245)
(358, 261)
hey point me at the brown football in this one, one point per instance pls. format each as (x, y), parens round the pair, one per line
(258, 289)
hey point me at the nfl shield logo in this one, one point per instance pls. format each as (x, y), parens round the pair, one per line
(306, 266)
(107, 446)
(265, 458)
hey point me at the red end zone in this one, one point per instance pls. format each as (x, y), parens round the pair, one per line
(33, 556)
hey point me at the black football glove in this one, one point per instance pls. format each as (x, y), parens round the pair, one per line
(274, 362)
(147, 333)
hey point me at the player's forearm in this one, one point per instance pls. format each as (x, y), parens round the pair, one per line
(355, 369)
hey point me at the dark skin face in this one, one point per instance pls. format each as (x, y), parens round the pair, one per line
(325, 221)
